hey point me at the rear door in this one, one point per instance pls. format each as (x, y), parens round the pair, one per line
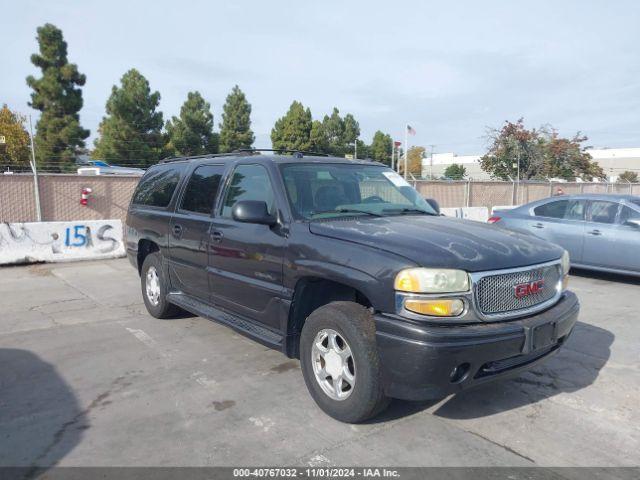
(561, 221)
(628, 238)
(189, 231)
(601, 245)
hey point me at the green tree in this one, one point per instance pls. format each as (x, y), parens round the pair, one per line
(539, 153)
(131, 131)
(350, 134)
(235, 129)
(455, 171)
(414, 159)
(317, 138)
(381, 147)
(340, 133)
(15, 150)
(628, 177)
(192, 132)
(57, 96)
(293, 130)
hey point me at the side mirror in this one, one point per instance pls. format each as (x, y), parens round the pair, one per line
(433, 204)
(632, 223)
(252, 211)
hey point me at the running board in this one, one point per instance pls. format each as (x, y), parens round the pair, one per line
(245, 326)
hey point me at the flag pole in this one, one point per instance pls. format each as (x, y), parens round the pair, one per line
(406, 150)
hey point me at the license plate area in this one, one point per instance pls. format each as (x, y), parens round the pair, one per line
(543, 336)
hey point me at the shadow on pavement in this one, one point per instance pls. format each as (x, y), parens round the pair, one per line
(574, 367)
(608, 277)
(40, 418)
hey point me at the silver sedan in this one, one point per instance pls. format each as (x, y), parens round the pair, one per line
(601, 232)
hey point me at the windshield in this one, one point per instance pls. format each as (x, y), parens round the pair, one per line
(334, 189)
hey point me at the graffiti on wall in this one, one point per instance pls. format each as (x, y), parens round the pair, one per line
(55, 241)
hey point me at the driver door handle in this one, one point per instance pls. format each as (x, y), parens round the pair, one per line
(538, 225)
(595, 232)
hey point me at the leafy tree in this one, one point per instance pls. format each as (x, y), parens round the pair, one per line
(455, 171)
(15, 151)
(57, 96)
(414, 159)
(351, 132)
(381, 147)
(293, 130)
(340, 133)
(318, 138)
(540, 153)
(628, 177)
(192, 132)
(235, 129)
(131, 131)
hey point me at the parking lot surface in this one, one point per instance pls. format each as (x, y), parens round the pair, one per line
(88, 378)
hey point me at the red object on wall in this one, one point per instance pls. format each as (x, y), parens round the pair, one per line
(84, 196)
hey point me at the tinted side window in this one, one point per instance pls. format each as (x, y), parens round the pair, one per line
(575, 210)
(202, 188)
(552, 209)
(156, 187)
(603, 212)
(628, 214)
(249, 182)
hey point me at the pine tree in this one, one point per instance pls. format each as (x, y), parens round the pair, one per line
(15, 150)
(192, 132)
(293, 130)
(381, 147)
(57, 96)
(317, 138)
(333, 127)
(130, 134)
(235, 129)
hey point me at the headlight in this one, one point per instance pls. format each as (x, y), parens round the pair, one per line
(432, 280)
(565, 262)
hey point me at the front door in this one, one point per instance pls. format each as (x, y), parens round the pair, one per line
(189, 232)
(629, 239)
(246, 260)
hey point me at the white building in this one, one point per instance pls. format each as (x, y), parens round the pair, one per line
(613, 161)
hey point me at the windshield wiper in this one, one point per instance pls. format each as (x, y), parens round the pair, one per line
(403, 211)
(347, 210)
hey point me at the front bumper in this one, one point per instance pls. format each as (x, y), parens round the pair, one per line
(421, 362)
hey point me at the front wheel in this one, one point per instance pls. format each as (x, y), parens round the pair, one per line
(340, 362)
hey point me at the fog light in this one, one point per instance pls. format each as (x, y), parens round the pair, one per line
(437, 308)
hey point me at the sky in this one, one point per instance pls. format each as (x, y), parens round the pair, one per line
(449, 69)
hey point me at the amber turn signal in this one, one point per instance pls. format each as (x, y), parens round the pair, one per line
(436, 308)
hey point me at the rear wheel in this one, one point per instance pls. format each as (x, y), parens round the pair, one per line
(154, 288)
(340, 362)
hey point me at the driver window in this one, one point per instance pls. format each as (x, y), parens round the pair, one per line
(249, 182)
(603, 212)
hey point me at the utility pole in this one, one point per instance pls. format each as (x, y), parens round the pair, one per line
(35, 174)
(431, 162)
(393, 149)
(406, 150)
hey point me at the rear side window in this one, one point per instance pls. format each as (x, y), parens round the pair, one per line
(156, 187)
(552, 209)
(603, 212)
(202, 188)
(564, 209)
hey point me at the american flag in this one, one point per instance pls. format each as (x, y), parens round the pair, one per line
(410, 130)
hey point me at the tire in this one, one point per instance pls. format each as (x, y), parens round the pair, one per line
(157, 305)
(353, 324)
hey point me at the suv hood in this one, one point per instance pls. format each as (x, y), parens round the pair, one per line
(444, 242)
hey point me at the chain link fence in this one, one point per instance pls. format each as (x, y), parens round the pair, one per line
(60, 194)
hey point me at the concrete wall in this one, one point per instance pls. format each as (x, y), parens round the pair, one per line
(60, 241)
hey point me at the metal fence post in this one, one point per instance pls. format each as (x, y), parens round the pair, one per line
(550, 188)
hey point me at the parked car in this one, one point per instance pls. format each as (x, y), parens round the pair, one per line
(107, 169)
(600, 232)
(343, 265)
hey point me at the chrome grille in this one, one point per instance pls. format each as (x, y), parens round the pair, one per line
(496, 293)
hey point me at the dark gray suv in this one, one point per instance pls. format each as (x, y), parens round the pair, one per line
(343, 265)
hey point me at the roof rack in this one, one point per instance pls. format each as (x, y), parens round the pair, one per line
(206, 155)
(298, 153)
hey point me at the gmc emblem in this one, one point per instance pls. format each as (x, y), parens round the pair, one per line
(526, 289)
